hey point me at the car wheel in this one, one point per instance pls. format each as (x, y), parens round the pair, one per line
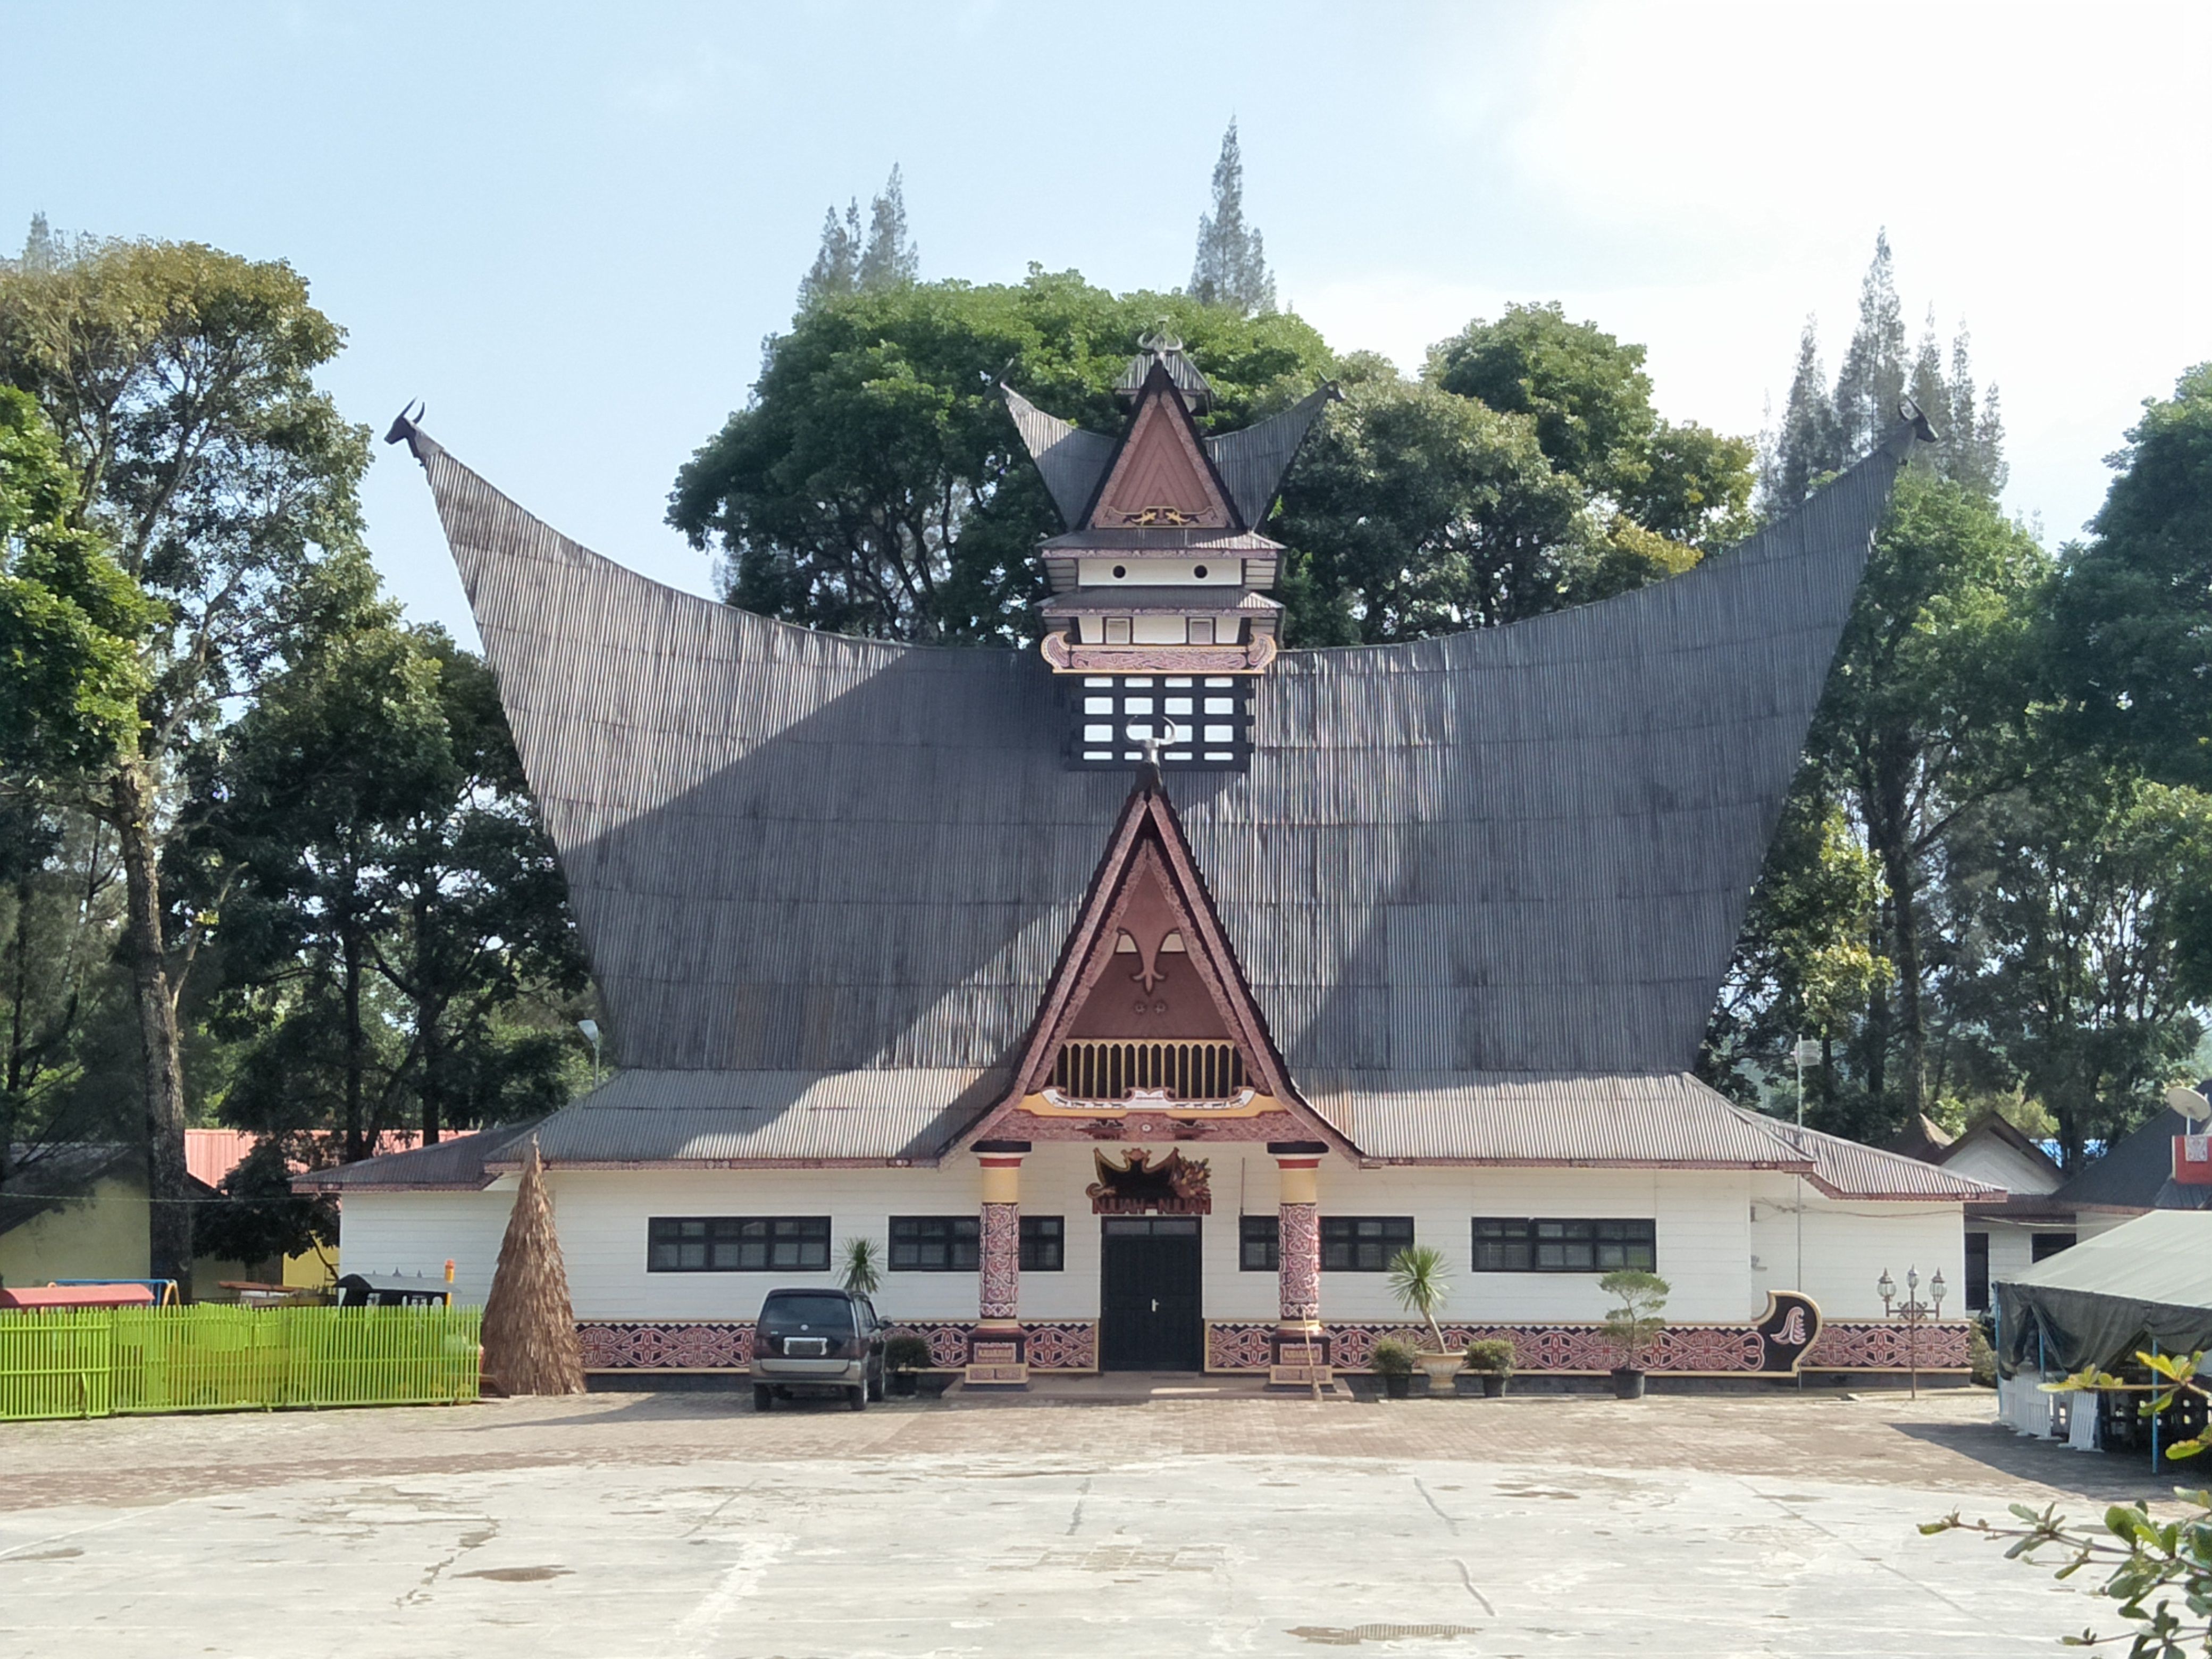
(857, 1396)
(763, 1398)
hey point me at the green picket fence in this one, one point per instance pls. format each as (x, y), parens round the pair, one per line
(98, 1362)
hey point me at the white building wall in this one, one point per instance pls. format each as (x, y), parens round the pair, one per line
(1848, 1244)
(417, 1233)
(1711, 1226)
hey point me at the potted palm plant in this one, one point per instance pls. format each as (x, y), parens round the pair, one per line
(1633, 1325)
(905, 1357)
(1420, 1281)
(1394, 1364)
(1491, 1359)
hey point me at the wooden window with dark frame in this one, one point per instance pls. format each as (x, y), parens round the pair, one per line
(1259, 1243)
(1363, 1243)
(1044, 1244)
(936, 1244)
(737, 1243)
(1532, 1245)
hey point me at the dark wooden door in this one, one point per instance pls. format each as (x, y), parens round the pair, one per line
(1150, 1317)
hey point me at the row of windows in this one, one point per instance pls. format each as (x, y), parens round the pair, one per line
(1365, 1244)
(801, 1243)
(953, 1244)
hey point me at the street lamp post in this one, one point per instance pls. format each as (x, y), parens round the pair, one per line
(1914, 1311)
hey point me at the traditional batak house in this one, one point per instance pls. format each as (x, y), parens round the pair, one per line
(1142, 996)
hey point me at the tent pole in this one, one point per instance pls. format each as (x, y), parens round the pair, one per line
(2153, 1417)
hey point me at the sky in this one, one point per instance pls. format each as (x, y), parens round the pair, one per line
(567, 229)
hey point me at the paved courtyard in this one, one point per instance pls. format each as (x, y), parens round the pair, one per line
(1164, 1518)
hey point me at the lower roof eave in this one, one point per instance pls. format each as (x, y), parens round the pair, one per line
(559, 1164)
(1445, 1161)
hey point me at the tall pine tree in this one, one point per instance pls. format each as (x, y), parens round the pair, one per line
(1231, 267)
(853, 261)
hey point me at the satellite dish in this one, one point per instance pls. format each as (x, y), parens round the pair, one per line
(2188, 1103)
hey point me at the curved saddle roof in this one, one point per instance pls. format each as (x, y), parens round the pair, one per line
(1517, 853)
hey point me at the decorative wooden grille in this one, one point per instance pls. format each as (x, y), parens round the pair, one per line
(1096, 1070)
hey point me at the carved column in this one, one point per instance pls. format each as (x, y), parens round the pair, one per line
(998, 1352)
(1298, 1355)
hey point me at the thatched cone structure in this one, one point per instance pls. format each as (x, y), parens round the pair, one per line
(529, 1327)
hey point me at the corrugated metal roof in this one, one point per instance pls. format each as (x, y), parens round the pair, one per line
(736, 1117)
(1846, 1169)
(2136, 1172)
(1524, 849)
(1252, 462)
(1161, 541)
(1666, 1120)
(1070, 459)
(1197, 390)
(457, 1162)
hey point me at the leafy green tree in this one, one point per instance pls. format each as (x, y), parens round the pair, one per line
(2096, 902)
(1231, 266)
(1806, 962)
(2130, 626)
(1414, 512)
(1591, 401)
(875, 485)
(1917, 728)
(180, 380)
(71, 620)
(388, 898)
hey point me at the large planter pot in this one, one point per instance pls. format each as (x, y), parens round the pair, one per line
(1440, 1369)
(903, 1383)
(1397, 1385)
(1627, 1383)
(1493, 1384)
(932, 1385)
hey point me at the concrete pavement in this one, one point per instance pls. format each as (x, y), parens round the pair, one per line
(685, 1528)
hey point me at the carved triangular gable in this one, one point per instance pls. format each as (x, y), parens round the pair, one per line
(1148, 978)
(1162, 478)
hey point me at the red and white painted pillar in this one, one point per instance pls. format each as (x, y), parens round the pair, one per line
(998, 1351)
(1299, 1354)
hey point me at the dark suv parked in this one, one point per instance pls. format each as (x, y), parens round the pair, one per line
(830, 1341)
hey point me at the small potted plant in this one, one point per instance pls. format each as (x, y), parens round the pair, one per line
(1394, 1364)
(905, 1357)
(1633, 1325)
(1420, 1282)
(1491, 1359)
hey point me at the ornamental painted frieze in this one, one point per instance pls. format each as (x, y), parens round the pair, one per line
(999, 1290)
(1175, 1186)
(1297, 1234)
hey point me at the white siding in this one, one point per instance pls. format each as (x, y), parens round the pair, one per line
(1707, 1236)
(1848, 1244)
(417, 1233)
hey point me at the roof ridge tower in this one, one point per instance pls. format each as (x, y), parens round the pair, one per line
(1158, 615)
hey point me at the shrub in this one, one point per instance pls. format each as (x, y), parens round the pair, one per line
(907, 1353)
(1393, 1357)
(1981, 1357)
(1489, 1354)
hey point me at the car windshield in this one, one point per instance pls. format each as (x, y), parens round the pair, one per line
(784, 1315)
